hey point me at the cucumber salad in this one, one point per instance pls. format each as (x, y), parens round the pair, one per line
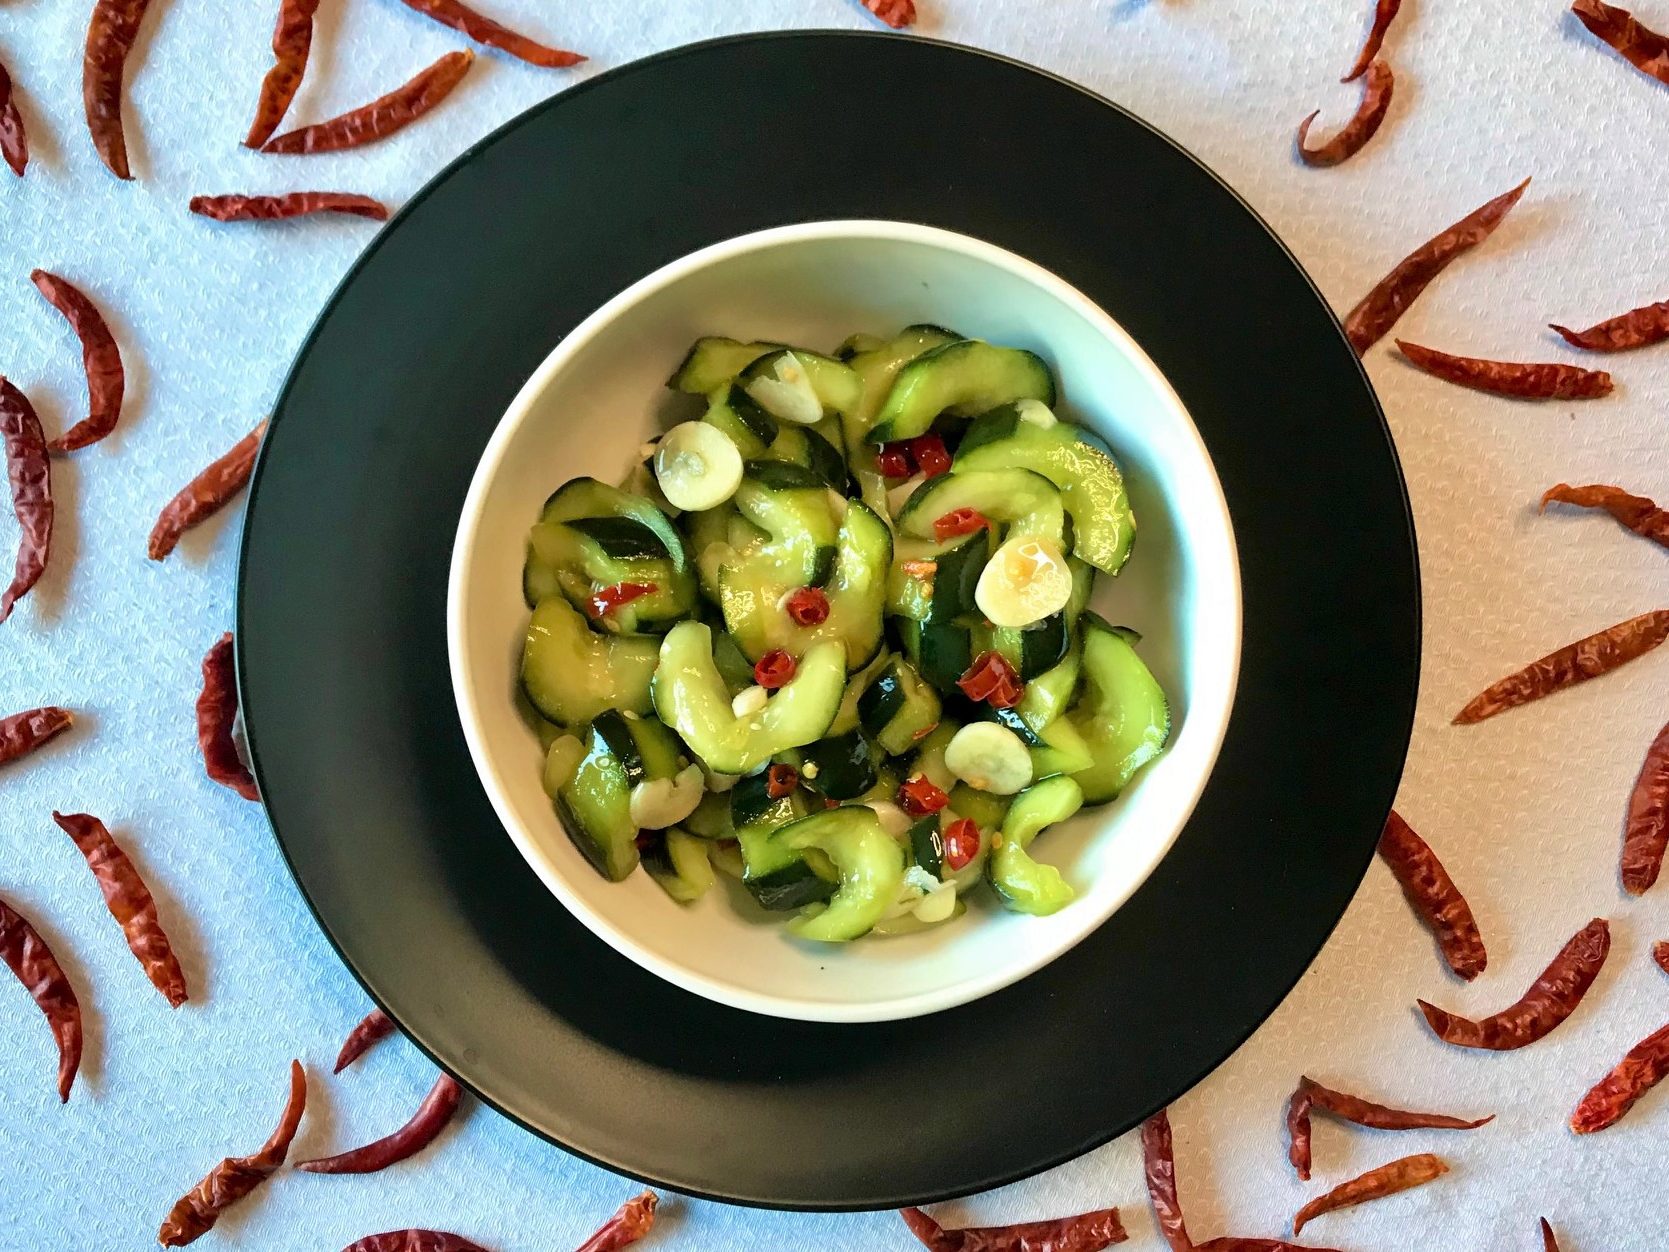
(829, 637)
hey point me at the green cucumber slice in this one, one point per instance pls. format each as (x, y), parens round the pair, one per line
(571, 674)
(838, 388)
(870, 863)
(961, 378)
(680, 866)
(897, 708)
(715, 360)
(595, 808)
(1123, 715)
(1026, 501)
(1025, 885)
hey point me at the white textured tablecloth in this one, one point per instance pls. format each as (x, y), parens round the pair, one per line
(1526, 810)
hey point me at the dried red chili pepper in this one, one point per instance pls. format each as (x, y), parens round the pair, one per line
(1312, 1095)
(1637, 328)
(780, 780)
(918, 796)
(414, 1240)
(893, 459)
(991, 678)
(1639, 45)
(1524, 380)
(1597, 654)
(292, 204)
(1379, 310)
(429, 1120)
(236, 1176)
(383, 116)
(292, 39)
(1235, 1243)
(100, 358)
(110, 37)
(1085, 1232)
(961, 840)
(1384, 13)
(959, 522)
(374, 1026)
(30, 472)
(807, 606)
(1646, 833)
(774, 669)
(22, 733)
(1388, 1179)
(129, 901)
(930, 454)
(1645, 1065)
(1551, 998)
(631, 1221)
(897, 14)
(1434, 896)
(217, 709)
(1660, 954)
(484, 30)
(26, 953)
(14, 140)
(1638, 513)
(1159, 1168)
(604, 602)
(1354, 134)
(1549, 1243)
(205, 495)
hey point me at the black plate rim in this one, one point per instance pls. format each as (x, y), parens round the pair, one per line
(995, 1180)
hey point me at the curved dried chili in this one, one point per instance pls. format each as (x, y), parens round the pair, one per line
(897, 14)
(1660, 954)
(1235, 1243)
(374, 1026)
(1589, 657)
(1550, 1000)
(1312, 1095)
(460, 17)
(100, 358)
(1159, 1169)
(1646, 832)
(1637, 328)
(1523, 380)
(26, 953)
(631, 1221)
(236, 1176)
(14, 139)
(1085, 1232)
(1354, 134)
(1434, 896)
(1388, 1179)
(1645, 1065)
(30, 472)
(383, 116)
(1379, 310)
(22, 733)
(1638, 513)
(1549, 1243)
(429, 1120)
(292, 39)
(1384, 13)
(414, 1240)
(205, 495)
(129, 901)
(110, 37)
(234, 208)
(217, 710)
(1639, 45)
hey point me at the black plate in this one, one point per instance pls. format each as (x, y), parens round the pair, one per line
(343, 653)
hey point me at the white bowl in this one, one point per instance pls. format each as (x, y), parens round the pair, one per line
(601, 393)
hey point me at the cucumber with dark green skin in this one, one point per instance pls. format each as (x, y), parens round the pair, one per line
(595, 806)
(777, 877)
(807, 447)
(941, 650)
(1123, 715)
(622, 538)
(840, 767)
(836, 385)
(678, 863)
(961, 378)
(927, 847)
(739, 416)
(714, 360)
(1027, 502)
(1025, 885)
(645, 748)
(1031, 650)
(571, 673)
(870, 863)
(963, 709)
(897, 707)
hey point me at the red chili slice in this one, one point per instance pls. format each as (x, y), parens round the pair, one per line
(897, 14)
(992, 679)
(780, 780)
(918, 796)
(1384, 13)
(484, 30)
(1660, 954)
(205, 495)
(236, 1176)
(1597, 654)
(1639, 45)
(1549, 1243)
(30, 471)
(604, 602)
(1637, 328)
(1434, 896)
(110, 37)
(1085, 1232)
(631, 1221)
(414, 1240)
(22, 733)
(383, 116)
(1645, 1065)
(1401, 1175)
(930, 455)
(425, 1125)
(1550, 1000)
(774, 669)
(292, 204)
(100, 358)
(374, 1026)
(217, 710)
(1354, 134)
(807, 606)
(1379, 310)
(26, 953)
(893, 460)
(961, 841)
(129, 901)
(1638, 513)
(1646, 833)
(959, 522)
(14, 139)
(1312, 1095)
(292, 39)
(1523, 380)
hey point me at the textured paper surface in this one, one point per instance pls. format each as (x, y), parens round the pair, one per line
(1526, 810)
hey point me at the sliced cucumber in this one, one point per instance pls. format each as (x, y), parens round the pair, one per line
(1103, 526)
(711, 818)
(791, 505)
(680, 866)
(855, 345)
(846, 717)
(1032, 650)
(1027, 502)
(571, 674)
(869, 861)
(841, 766)
(989, 757)
(799, 386)
(1063, 750)
(739, 416)
(1048, 695)
(1123, 715)
(961, 378)
(927, 846)
(804, 445)
(987, 811)
(562, 757)
(777, 877)
(697, 466)
(715, 360)
(898, 708)
(595, 805)
(645, 749)
(1025, 885)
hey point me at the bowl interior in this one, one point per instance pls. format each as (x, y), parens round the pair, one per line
(602, 393)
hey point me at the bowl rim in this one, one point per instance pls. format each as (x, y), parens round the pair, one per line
(460, 576)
